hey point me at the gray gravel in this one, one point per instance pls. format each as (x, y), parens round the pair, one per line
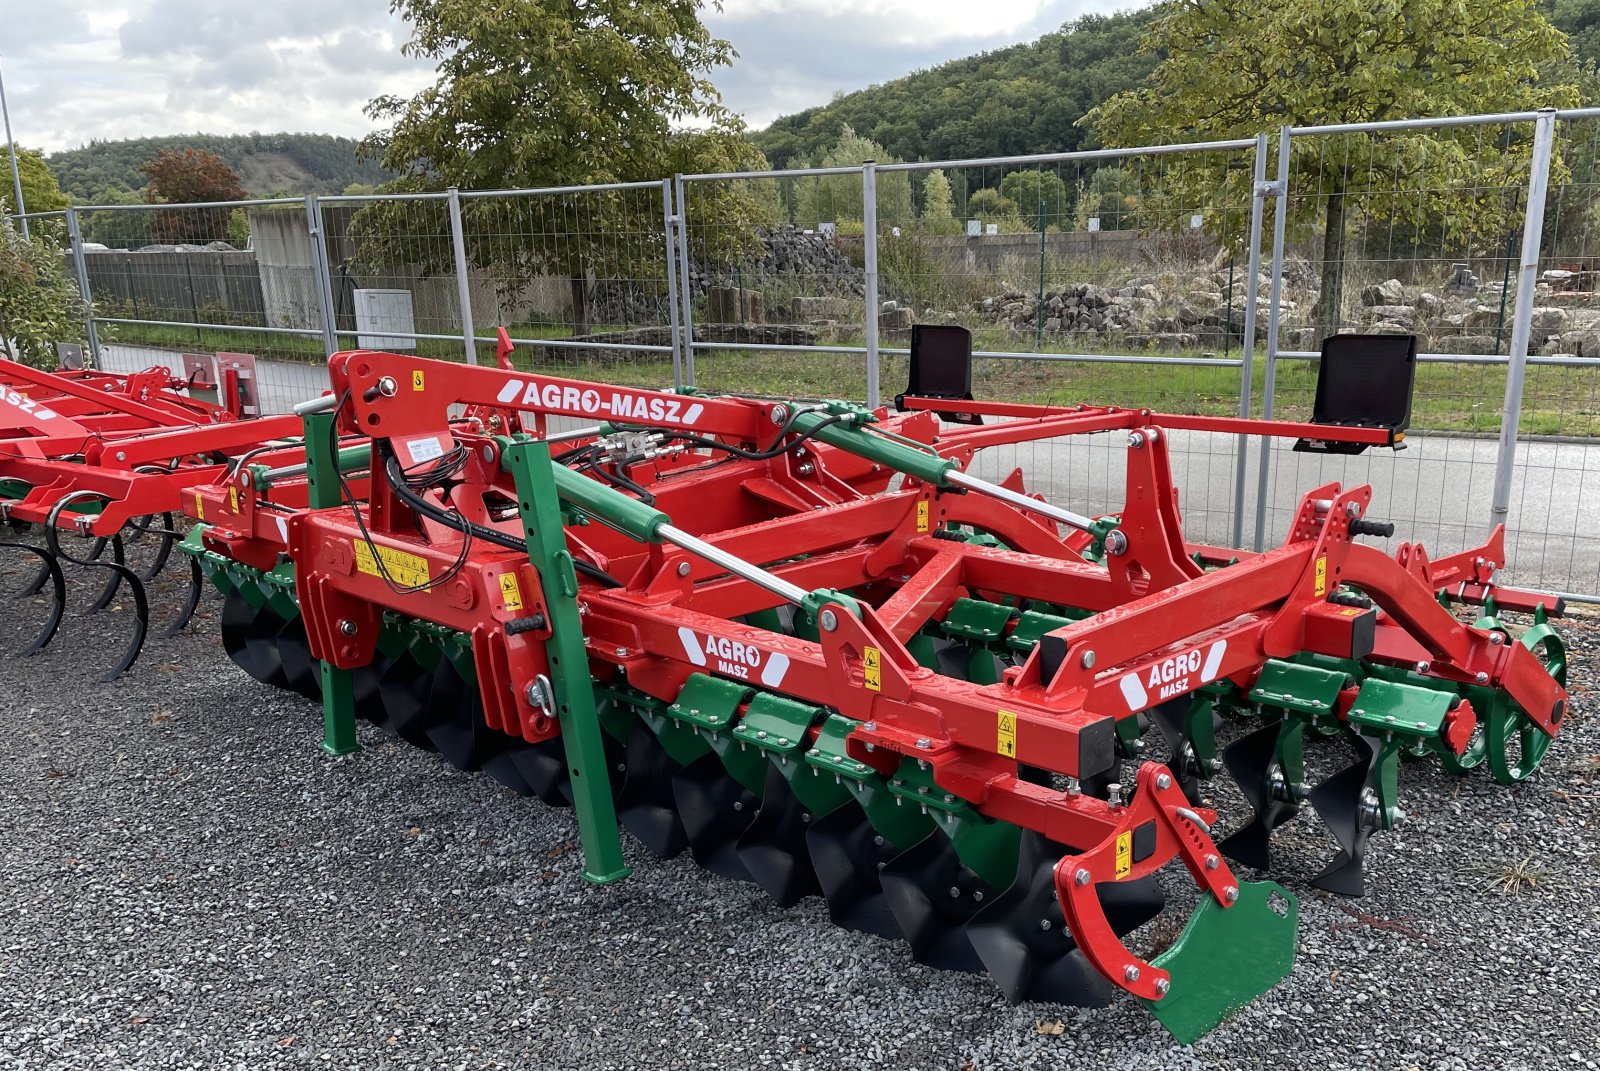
(187, 881)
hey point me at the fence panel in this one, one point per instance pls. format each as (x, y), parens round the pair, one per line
(1413, 230)
(579, 279)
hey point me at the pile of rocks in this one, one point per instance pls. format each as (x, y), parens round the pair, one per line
(1146, 314)
(787, 253)
(1469, 320)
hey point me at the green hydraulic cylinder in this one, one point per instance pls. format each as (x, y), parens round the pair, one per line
(323, 492)
(581, 734)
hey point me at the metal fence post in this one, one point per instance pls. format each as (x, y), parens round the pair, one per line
(458, 239)
(323, 277)
(75, 241)
(670, 227)
(1280, 219)
(869, 230)
(685, 281)
(1252, 291)
(1544, 131)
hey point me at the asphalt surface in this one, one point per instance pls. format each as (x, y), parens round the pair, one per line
(188, 882)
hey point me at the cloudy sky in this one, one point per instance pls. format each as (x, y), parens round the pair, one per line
(82, 69)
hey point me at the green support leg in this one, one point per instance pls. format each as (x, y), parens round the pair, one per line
(322, 477)
(581, 735)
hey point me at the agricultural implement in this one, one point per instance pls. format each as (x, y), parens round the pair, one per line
(806, 644)
(104, 458)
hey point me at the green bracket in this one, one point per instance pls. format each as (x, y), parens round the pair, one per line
(1031, 627)
(323, 492)
(581, 734)
(1299, 688)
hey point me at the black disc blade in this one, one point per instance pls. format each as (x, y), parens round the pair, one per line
(847, 855)
(366, 688)
(302, 673)
(404, 688)
(773, 848)
(250, 637)
(543, 768)
(933, 897)
(455, 729)
(1023, 939)
(502, 765)
(716, 810)
(646, 805)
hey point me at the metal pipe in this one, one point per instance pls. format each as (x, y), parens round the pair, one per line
(1063, 157)
(458, 241)
(249, 202)
(988, 355)
(1544, 136)
(324, 278)
(758, 576)
(323, 404)
(961, 479)
(1417, 124)
(75, 238)
(1252, 293)
(573, 433)
(1280, 221)
(670, 226)
(11, 145)
(685, 285)
(869, 230)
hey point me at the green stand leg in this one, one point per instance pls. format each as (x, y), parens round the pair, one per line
(581, 735)
(322, 477)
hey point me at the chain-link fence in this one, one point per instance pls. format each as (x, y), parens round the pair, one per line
(1144, 278)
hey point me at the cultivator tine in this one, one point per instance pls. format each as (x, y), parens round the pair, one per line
(847, 855)
(50, 569)
(118, 558)
(1023, 939)
(774, 848)
(933, 896)
(140, 527)
(1188, 726)
(1267, 765)
(191, 602)
(1348, 805)
(716, 810)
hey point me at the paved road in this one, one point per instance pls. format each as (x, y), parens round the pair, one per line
(1437, 490)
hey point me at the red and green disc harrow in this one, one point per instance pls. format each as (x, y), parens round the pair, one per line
(803, 642)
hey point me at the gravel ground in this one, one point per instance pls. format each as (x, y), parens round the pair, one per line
(188, 881)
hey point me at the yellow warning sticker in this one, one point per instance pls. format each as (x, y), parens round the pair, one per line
(511, 592)
(922, 516)
(233, 499)
(872, 668)
(1005, 727)
(404, 568)
(1124, 854)
(416, 379)
(199, 507)
(1322, 577)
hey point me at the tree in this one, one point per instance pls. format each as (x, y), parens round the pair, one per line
(187, 177)
(542, 93)
(39, 303)
(1236, 67)
(838, 198)
(40, 191)
(938, 204)
(1040, 196)
(991, 206)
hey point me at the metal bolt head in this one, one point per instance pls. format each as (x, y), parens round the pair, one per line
(122, 455)
(621, 652)
(829, 621)
(780, 413)
(1082, 877)
(1423, 667)
(1231, 893)
(1482, 678)
(1131, 973)
(738, 805)
(488, 451)
(347, 627)
(1212, 862)
(1074, 786)
(1116, 543)
(806, 468)
(387, 386)
(923, 743)
(1135, 440)
(1163, 781)
(1044, 924)
(1495, 639)
(683, 568)
(1114, 795)
(1087, 661)
(1352, 509)
(955, 891)
(1162, 985)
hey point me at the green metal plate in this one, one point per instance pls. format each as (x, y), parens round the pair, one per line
(1226, 958)
(974, 619)
(1303, 689)
(1401, 708)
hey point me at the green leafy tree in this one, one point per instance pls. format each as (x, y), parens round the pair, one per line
(39, 302)
(938, 204)
(1041, 197)
(1111, 195)
(118, 230)
(40, 191)
(1233, 68)
(542, 93)
(838, 198)
(991, 206)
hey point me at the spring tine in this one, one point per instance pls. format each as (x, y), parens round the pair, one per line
(141, 621)
(118, 567)
(36, 585)
(163, 550)
(49, 569)
(191, 602)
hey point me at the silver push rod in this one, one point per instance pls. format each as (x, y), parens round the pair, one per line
(733, 564)
(957, 478)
